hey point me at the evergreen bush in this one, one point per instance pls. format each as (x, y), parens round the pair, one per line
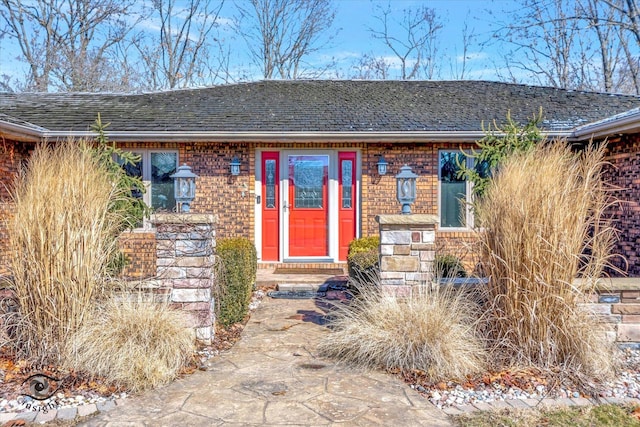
(237, 263)
(449, 266)
(363, 259)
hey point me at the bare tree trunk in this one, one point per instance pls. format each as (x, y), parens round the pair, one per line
(282, 34)
(67, 44)
(181, 54)
(415, 44)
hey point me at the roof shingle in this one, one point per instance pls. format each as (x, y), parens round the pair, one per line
(317, 106)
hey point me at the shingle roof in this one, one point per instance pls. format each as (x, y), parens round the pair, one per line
(317, 106)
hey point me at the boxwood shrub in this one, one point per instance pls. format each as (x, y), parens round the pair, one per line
(236, 274)
(449, 266)
(363, 260)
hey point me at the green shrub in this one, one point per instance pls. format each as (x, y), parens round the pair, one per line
(135, 344)
(363, 260)
(448, 266)
(236, 274)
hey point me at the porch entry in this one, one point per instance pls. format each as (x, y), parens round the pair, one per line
(307, 204)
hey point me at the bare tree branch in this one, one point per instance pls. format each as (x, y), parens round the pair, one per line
(574, 45)
(415, 44)
(180, 54)
(281, 35)
(67, 44)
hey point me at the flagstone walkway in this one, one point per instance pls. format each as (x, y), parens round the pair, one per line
(273, 376)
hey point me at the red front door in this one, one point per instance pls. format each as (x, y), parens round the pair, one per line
(308, 205)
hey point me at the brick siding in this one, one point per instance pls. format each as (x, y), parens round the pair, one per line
(623, 173)
(222, 194)
(12, 157)
(379, 193)
(139, 249)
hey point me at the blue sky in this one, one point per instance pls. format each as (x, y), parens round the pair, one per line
(353, 39)
(354, 17)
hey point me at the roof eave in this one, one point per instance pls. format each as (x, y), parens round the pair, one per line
(629, 123)
(21, 132)
(342, 137)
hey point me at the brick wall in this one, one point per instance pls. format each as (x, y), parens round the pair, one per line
(624, 173)
(140, 251)
(12, 157)
(221, 194)
(379, 193)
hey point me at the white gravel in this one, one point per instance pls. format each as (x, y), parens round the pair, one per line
(626, 385)
(58, 401)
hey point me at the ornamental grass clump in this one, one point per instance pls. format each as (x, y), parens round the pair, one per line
(62, 238)
(543, 225)
(432, 330)
(132, 343)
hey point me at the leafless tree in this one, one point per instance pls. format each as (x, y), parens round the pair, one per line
(67, 44)
(584, 44)
(626, 20)
(282, 34)
(629, 16)
(182, 52)
(629, 73)
(459, 66)
(414, 44)
(371, 67)
(545, 40)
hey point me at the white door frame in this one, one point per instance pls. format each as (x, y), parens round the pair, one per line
(333, 201)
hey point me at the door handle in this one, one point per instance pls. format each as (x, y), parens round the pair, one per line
(285, 207)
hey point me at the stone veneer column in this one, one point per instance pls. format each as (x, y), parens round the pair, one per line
(407, 251)
(185, 265)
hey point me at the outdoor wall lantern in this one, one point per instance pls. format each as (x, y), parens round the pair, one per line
(235, 166)
(184, 187)
(406, 191)
(382, 166)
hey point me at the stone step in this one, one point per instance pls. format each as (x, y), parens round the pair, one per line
(298, 287)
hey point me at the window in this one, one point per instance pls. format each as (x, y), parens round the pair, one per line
(347, 184)
(155, 168)
(455, 191)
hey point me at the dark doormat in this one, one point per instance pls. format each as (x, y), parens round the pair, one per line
(327, 271)
(296, 294)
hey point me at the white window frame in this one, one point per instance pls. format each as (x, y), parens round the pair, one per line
(145, 156)
(469, 217)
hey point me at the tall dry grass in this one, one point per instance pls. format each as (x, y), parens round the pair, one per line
(432, 330)
(133, 343)
(543, 225)
(62, 237)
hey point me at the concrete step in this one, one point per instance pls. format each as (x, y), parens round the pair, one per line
(298, 287)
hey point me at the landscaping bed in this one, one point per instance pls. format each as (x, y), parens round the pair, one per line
(76, 389)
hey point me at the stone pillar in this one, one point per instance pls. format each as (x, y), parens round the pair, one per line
(407, 251)
(185, 266)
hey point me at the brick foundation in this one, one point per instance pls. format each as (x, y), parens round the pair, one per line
(139, 248)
